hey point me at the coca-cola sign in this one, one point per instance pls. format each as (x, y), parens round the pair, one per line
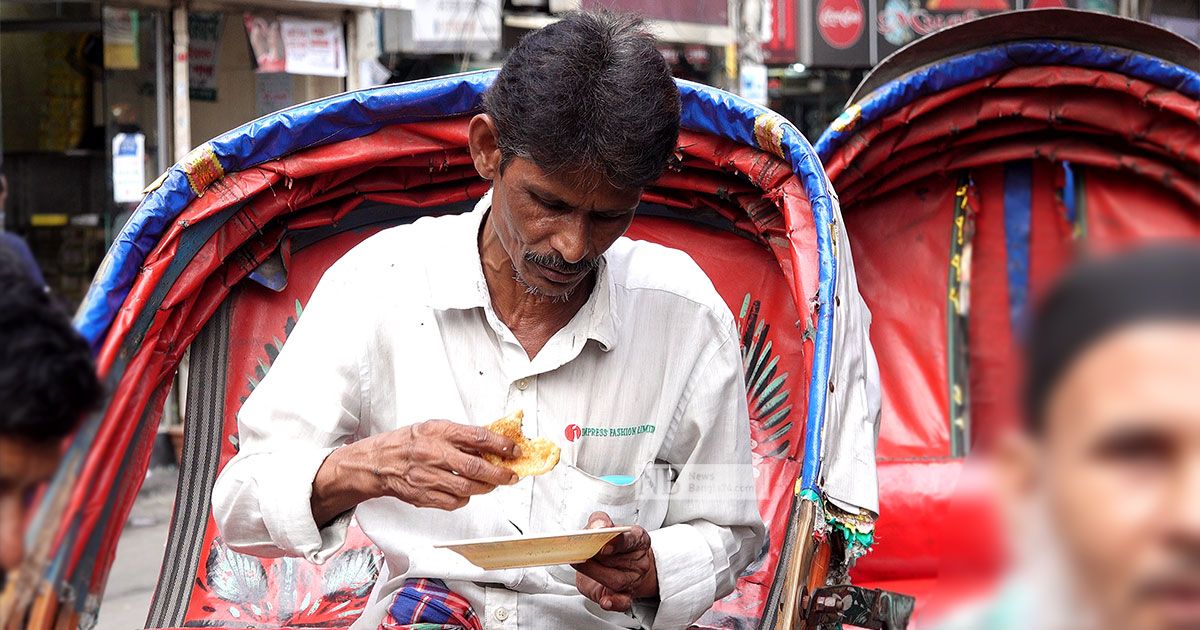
(840, 22)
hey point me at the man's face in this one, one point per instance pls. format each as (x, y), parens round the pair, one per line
(1121, 464)
(554, 228)
(23, 465)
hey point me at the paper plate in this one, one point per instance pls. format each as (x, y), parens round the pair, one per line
(539, 550)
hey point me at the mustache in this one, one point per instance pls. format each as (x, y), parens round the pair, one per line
(1182, 578)
(559, 264)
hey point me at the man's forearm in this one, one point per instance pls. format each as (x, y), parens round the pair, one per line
(343, 481)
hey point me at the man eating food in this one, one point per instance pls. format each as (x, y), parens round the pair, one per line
(620, 351)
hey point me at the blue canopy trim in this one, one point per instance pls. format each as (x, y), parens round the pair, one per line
(962, 69)
(1018, 214)
(356, 114)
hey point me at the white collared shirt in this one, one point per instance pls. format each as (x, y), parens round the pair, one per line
(647, 378)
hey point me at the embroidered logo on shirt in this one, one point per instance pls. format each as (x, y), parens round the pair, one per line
(575, 432)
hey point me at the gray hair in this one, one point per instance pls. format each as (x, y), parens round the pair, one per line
(588, 96)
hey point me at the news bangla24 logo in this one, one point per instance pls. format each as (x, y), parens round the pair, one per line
(841, 22)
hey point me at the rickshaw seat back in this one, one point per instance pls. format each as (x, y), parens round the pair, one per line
(205, 582)
(223, 251)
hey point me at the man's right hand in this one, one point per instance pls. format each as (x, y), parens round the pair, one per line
(435, 464)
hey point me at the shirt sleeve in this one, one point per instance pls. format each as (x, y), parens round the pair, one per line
(308, 404)
(20, 250)
(713, 529)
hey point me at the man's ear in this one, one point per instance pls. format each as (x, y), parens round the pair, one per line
(1016, 459)
(485, 149)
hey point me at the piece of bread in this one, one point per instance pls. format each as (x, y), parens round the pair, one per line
(538, 456)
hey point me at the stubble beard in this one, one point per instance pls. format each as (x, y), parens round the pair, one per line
(560, 298)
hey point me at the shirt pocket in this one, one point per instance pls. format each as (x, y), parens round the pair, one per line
(635, 500)
(583, 493)
(640, 500)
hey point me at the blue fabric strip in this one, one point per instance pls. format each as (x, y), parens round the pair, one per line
(1070, 202)
(1018, 210)
(968, 67)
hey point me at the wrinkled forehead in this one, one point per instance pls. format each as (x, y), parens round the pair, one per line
(24, 462)
(1144, 375)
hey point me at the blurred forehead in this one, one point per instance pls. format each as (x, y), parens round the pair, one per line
(24, 462)
(1147, 373)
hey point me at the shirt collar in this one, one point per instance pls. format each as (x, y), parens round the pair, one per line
(457, 283)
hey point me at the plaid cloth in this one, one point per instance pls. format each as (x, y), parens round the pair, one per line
(426, 604)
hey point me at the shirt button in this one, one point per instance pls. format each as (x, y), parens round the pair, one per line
(501, 614)
(523, 384)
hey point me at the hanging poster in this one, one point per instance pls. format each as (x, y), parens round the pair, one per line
(120, 38)
(204, 41)
(315, 47)
(128, 167)
(442, 26)
(752, 82)
(274, 92)
(266, 42)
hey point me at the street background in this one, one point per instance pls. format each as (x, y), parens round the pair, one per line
(139, 554)
(97, 99)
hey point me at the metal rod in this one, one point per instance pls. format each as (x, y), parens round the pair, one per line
(182, 100)
(790, 604)
(160, 93)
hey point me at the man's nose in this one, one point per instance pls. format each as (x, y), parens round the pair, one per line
(12, 519)
(572, 240)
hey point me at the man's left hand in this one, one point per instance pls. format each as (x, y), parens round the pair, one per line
(623, 570)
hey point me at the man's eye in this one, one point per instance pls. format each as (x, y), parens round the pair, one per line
(1135, 447)
(551, 205)
(613, 216)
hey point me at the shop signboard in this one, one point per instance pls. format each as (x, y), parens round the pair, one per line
(442, 26)
(204, 42)
(780, 45)
(861, 33)
(839, 33)
(679, 21)
(709, 12)
(902, 21)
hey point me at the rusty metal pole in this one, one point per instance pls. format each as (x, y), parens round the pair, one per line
(179, 79)
(798, 566)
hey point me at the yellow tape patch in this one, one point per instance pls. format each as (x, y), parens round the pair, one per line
(847, 119)
(202, 168)
(768, 133)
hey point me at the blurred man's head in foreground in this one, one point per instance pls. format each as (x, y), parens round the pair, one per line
(1113, 430)
(47, 383)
